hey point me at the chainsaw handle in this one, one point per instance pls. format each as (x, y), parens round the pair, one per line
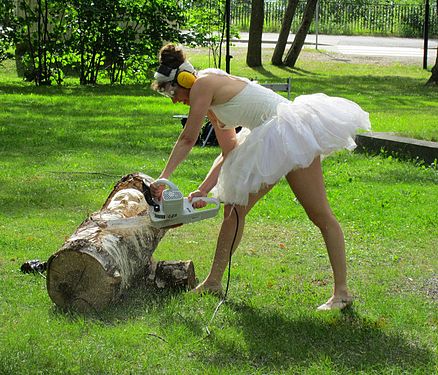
(165, 181)
(214, 201)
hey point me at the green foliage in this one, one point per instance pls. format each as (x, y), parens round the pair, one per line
(41, 38)
(361, 17)
(93, 38)
(205, 25)
(121, 36)
(7, 29)
(412, 24)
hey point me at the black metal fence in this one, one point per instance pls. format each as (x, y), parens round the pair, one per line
(346, 18)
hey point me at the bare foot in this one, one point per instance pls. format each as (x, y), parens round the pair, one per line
(206, 287)
(336, 303)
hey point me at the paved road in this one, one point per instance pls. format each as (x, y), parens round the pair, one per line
(358, 45)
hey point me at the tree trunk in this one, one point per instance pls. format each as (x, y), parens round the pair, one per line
(254, 53)
(277, 56)
(110, 251)
(433, 80)
(300, 37)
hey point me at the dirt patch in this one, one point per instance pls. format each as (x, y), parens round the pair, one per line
(431, 288)
(324, 56)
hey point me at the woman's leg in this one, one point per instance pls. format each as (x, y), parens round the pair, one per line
(308, 186)
(234, 219)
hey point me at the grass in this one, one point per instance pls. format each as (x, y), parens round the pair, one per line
(52, 140)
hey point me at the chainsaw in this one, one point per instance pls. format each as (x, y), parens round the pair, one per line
(174, 209)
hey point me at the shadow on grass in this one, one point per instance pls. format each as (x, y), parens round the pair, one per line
(272, 341)
(142, 300)
(333, 57)
(292, 71)
(345, 341)
(24, 88)
(348, 342)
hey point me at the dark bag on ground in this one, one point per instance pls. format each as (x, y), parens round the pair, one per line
(207, 136)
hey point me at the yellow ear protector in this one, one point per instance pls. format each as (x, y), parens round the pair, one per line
(184, 78)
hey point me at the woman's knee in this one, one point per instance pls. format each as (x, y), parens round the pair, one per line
(323, 219)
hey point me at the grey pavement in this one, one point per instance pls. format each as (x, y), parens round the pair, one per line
(356, 45)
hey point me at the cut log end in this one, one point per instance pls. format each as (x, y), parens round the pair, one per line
(77, 280)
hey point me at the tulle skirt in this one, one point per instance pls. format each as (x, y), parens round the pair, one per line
(309, 126)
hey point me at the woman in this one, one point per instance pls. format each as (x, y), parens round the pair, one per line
(280, 138)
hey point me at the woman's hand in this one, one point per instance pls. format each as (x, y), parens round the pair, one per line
(157, 190)
(196, 194)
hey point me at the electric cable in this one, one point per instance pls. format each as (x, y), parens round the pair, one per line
(229, 274)
(85, 172)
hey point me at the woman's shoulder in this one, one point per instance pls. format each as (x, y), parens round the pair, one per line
(211, 78)
(212, 71)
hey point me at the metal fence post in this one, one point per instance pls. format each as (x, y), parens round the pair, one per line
(426, 33)
(227, 32)
(316, 24)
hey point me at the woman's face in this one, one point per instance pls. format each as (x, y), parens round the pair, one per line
(182, 95)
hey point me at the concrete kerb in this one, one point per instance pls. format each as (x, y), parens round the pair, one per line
(402, 147)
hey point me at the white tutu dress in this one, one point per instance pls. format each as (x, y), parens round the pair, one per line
(279, 136)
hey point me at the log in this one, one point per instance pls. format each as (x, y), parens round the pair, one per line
(174, 275)
(110, 251)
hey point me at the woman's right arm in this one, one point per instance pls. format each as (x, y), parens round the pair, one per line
(227, 141)
(200, 99)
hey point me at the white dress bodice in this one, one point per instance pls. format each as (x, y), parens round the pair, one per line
(250, 108)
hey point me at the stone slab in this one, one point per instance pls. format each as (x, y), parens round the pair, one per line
(403, 147)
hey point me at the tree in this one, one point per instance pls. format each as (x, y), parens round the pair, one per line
(7, 25)
(433, 80)
(277, 56)
(254, 53)
(300, 37)
(206, 27)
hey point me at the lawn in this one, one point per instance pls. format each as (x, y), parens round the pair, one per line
(63, 148)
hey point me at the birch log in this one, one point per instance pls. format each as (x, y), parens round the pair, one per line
(110, 250)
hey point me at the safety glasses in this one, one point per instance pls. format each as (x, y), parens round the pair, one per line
(168, 90)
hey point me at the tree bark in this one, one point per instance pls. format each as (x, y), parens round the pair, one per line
(110, 251)
(280, 47)
(433, 80)
(300, 37)
(254, 53)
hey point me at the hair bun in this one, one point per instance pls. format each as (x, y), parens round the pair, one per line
(172, 55)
